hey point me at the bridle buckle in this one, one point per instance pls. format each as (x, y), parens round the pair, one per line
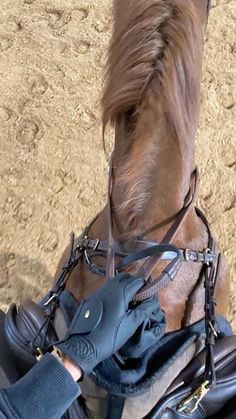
(52, 298)
(210, 256)
(96, 243)
(187, 255)
(38, 354)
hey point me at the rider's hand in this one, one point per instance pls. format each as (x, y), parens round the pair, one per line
(105, 321)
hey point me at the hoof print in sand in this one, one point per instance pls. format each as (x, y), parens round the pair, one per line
(87, 118)
(28, 133)
(37, 84)
(228, 158)
(232, 164)
(48, 240)
(100, 26)
(6, 42)
(13, 25)
(82, 13)
(5, 114)
(82, 47)
(231, 205)
(23, 212)
(57, 18)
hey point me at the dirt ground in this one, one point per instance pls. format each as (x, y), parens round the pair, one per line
(53, 169)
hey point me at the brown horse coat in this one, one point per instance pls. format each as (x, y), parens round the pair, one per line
(152, 95)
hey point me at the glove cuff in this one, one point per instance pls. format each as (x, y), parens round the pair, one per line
(80, 351)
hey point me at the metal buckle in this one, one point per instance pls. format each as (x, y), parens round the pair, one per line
(81, 247)
(38, 354)
(215, 332)
(209, 252)
(96, 243)
(52, 298)
(187, 255)
(80, 244)
(87, 257)
(190, 404)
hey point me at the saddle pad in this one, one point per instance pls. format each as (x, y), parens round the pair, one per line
(96, 398)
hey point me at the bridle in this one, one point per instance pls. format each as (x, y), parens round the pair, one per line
(134, 250)
(85, 248)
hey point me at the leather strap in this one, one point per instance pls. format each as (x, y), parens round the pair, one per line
(95, 247)
(148, 267)
(110, 265)
(51, 304)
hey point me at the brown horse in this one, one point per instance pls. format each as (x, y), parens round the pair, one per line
(151, 96)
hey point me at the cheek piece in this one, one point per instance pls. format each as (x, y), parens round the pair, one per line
(105, 321)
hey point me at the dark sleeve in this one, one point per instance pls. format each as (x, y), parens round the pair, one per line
(45, 392)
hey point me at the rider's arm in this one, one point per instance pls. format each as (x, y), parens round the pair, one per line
(46, 391)
(103, 323)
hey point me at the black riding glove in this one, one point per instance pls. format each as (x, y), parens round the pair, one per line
(105, 321)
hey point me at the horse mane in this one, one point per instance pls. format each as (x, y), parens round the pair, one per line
(156, 45)
(154, 59)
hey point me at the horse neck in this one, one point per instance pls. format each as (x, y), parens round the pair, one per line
(151, 175)
(151, 94)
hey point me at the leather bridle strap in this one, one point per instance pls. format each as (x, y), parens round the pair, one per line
(51, 304)
(95, 247)
(189, 405)
(110, 263)
(210, 274)
(148, 267)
